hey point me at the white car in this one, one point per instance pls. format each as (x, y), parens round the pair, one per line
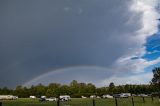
(51, 99)
(93, 96)
(83, 97)
(15, 97)
(107, 96)
(120, 95)
(7, 97)
(32, 97)
(98, 97)
(64, 97)
(43, 97)
(143, 95)
(123, 96)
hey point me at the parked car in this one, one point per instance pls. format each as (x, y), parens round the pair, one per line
(15, 97)
(127, 94)
(123, 95)
(32, 97)
(134, 95)
(116, 95)
(83, 97)
(98, 97)
(154, 94)
(120, 96)
(42, 99)
(143, 95)
(93, 96)
(7, 97)
(51, 99)
(107, 96)
(65, 98)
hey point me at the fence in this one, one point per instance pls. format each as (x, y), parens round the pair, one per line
(131, 101)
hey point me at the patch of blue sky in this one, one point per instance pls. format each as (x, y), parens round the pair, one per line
(150, 68)
(153, 47)
(152, 56)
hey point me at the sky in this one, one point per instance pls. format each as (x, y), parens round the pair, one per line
(92, 41)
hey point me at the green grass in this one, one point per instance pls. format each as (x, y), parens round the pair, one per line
(83, 102)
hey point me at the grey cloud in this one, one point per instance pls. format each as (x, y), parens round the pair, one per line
(38, 35)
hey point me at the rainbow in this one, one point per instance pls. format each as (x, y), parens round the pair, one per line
(61, 70)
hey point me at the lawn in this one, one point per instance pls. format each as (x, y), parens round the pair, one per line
(83, 102)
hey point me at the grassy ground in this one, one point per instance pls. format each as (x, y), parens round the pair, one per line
(83, 102)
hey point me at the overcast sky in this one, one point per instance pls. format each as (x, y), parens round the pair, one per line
(97, 41)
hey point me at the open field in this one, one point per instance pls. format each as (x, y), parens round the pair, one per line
(83, 102)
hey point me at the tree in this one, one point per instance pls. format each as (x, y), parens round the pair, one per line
(5, 91)
(126, 88)
(49, 92)
(65, 90)
(101, 91)
(74, 87)
(74, 83)
(91, 88)
(19, 91)
(111, 88)
(156, 76)
(55, 87)
(82, 88)
(39, 90)
(120, 89)
(111, 85)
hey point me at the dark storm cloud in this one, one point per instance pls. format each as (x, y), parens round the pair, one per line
(39, 35)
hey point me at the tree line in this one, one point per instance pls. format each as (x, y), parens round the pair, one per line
(76, 89)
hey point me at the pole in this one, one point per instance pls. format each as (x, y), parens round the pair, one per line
(143, 100)
(152, 98)
(0, 103)
(94, 102)
(116, 101)
(58, 102)
(132, 101)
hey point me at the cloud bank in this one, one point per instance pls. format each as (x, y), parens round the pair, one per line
(52, 35)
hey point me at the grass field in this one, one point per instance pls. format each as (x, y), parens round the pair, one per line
(83, 102)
